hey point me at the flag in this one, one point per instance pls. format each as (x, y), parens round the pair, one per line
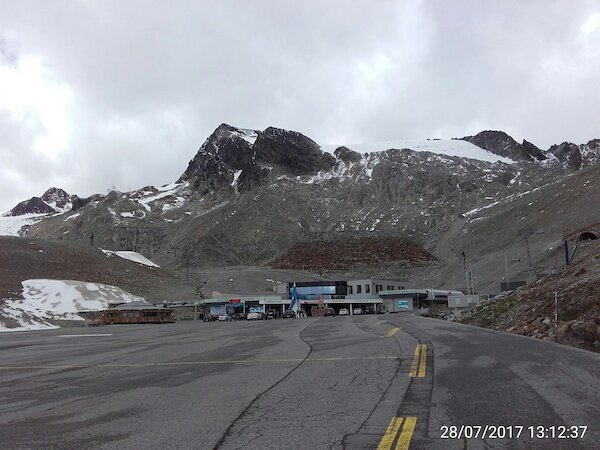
(295, 304)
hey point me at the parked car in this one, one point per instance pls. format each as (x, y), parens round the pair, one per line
(344, 312)
(239, 316)
(272, 314)
(329, 312)
(254, 316)
(357, 311)
(289, 314)
(224, 318)
(210, 318)
(369, 310)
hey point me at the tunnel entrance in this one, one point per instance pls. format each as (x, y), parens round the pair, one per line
(587, 236)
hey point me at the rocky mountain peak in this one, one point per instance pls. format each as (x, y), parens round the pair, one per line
(346, 155)
(502, 144)
(533, 150)
(35, 205)
(226, 149)
(568, 154)
(57, 198)
(291, 151)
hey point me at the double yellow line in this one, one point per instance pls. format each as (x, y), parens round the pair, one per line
(419, 361)
(391, 433)
(392, 332)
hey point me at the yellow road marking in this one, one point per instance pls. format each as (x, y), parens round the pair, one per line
(423, 362)
(406, 434)
(419, 361)
(392, 332)
(415, 364)
(390, 434)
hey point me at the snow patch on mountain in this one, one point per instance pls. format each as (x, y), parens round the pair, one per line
(131, 256)
(505, 200)
(11, 225)
(462, 149)
(236, 175)
(249, 136)
(164, 191)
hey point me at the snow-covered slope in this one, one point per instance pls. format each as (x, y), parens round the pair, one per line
(249, 136)
(132, 256)
(47, 300)
(11, 225)
(458, 148)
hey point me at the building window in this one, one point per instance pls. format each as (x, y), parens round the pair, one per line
(358, 289)
(392, 288)
(367, 288)
(388, 287)
(349, 289)
(381, 287)
(376, 288)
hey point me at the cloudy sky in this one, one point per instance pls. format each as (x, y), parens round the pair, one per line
(95, 94)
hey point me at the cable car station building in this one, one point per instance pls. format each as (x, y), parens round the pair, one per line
(376, 295)
(350, 294)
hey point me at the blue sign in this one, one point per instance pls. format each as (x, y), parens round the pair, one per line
(403, 304)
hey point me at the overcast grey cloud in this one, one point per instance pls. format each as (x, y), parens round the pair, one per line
(95, 94)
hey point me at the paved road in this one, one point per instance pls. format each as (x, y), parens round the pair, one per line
(392, 381)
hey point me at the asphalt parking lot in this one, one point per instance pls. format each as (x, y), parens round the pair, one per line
(336, 382)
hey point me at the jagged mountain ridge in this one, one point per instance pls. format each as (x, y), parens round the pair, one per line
(54, 200)
(249, 195)
(569, 155)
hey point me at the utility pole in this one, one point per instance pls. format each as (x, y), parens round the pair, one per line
(506, 268)
(471, 277)
(466, 272)
(527, 232)
(556, 313)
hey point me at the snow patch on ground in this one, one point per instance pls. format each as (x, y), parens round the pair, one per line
(47, 300)
(11, 225)
(178, 203)
(131, 256)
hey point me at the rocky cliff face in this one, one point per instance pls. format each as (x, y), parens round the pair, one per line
(502, 144)
(35, 205)
(576, 157)
(567, 155)
(226, 150)
(291, 152)
(245, 158)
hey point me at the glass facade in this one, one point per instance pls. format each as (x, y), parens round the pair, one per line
(335, 290)
(311, 292)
